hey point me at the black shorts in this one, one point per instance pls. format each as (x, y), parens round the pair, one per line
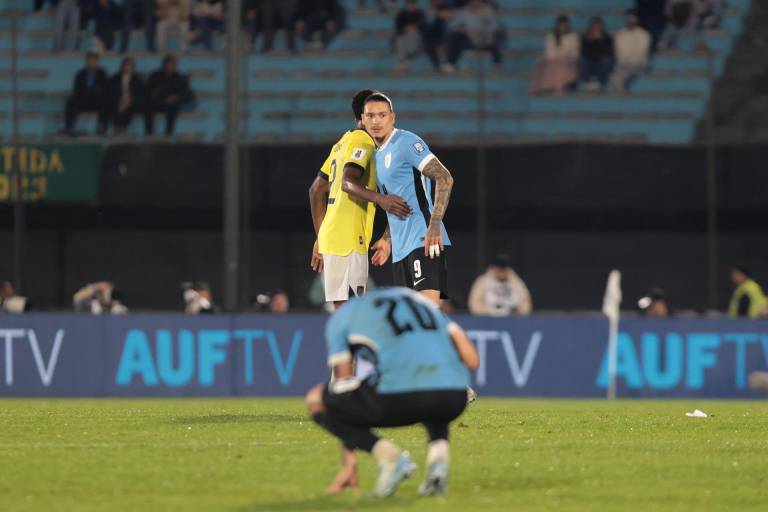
(419, 272)
(365, 407)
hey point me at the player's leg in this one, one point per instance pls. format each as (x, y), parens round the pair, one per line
(349, 416)
(438, 460)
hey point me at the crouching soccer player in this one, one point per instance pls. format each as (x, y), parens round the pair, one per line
(421, 362)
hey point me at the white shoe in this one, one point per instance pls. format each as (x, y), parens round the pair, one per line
(471, 396)
(392, 473)
(436, 481)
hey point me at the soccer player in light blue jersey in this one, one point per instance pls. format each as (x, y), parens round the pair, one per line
(421, 362)
(405, 167)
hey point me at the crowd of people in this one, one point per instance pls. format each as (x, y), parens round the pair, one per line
(118, 98)
(192, 22)
(596, 58)
(498, 292)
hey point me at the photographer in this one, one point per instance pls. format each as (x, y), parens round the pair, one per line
(9, 301)
(99, 298)
(198, 298)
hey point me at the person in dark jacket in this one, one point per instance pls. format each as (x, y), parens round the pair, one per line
(167, 90)
(596, 53)
(89, 94)
(105, 15)
(324, 17)
(126, 95)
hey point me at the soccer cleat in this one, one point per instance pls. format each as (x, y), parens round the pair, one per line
(392, 473)
(471, 395)
(436, 481)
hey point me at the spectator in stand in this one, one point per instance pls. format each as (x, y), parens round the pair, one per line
(683, 17)
(652, 17)
(146, 8)
(325, 18)
(167, 90)
(596, 55)
(709, 13)
(557, 70)
(105, 14)
(252, 19)
(126, 93)
(632, 46)
(209, 19)
(39, 4)
(748, 300)
(66, 25)
(98, 298)
(173, 16)
(474, 27)
(410, 31)
(500, 291)
(436, 35)
(89, 94)
(278, 13)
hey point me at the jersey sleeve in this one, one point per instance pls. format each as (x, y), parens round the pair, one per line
(417, 152)
(325, 169)
(359, 151)
(337, 336)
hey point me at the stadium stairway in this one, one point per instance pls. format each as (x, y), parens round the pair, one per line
(305, 97)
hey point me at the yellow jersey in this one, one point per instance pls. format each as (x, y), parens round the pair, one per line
(348, 222)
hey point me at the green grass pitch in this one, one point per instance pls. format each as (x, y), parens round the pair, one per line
(263, 455)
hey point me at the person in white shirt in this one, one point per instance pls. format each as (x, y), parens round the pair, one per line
(499, 291)
(559, 67)
(632, 45)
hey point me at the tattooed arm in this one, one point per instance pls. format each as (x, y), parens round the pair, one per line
(443, 186)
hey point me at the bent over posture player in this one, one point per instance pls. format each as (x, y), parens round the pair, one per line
(421, 362)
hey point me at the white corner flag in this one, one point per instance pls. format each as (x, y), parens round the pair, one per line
(611, 309)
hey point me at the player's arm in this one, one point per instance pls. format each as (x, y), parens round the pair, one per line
(464, 346)
(382, 248)
(443, 185)
(390, 203)
(318, 199)
(318, 202)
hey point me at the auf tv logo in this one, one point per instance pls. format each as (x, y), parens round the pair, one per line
(177, 360)
(44, 369)
(680, 359)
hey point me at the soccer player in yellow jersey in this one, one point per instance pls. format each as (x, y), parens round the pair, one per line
(344, 224)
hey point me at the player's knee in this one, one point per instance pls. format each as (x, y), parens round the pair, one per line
(314, 400)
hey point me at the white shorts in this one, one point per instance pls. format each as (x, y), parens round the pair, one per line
(340, 273)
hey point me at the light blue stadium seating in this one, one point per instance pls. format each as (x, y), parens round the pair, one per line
(307, 96)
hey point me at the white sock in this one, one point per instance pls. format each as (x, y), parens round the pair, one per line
(438, 451)
(385, 451)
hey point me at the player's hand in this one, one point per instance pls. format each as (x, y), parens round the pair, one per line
(395, 205)
(433, 242)
(382, 248)
(317, 259)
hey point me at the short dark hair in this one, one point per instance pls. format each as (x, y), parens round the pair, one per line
(743, 269)
(91, 55)
(501, 260)
(358, 102)
(380, 96)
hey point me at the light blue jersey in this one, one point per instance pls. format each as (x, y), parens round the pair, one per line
(407, 337)
(399, 163)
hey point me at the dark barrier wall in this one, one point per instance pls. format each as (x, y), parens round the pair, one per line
(567, 214)
(263, 355)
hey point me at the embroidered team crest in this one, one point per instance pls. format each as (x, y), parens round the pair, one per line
(419, 147)
(388, 160)
(358, 154)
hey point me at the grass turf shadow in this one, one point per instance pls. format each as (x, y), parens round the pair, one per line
(320, 503)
